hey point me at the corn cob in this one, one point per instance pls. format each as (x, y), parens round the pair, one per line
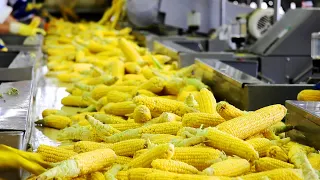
(116, 96)
(187, 132)
(229, 167)
(305, 148)
(230, 144)
(126, 126)
(81, 164)
(141, 114)
(102, 90)
(246, 126)
(298, 157)
(77, 133)
(162, 175)
(159, 138)
(128, 147)
(207, 102)
(139, 173)
(191, 102)
(109, 119)
(135, 77)
(70, 77)
(309, 95)
(185, 72)
(184, 94)
(54, 154)
(160, 105)
(198, 119)
(173, 86)
(314, 160)
(132, 68)
(112, 172)
(48, 112)
(74, 101)
(101, 129)
(96, 176)
(124, 135)
(174, 166)
(67, 147)
(162, 128)
(192, 141)
(104, 79)
(77, 92)
(55, 121)
(277, 153)
(198, 157)
(164, 117)
(129, 51)
(86, 146)
(266, 163)
(155, 85)
(138, 153)
(120, 108)
(228, 111)
(122, 175)
(276, 174)
(117, 69)
(262, 144)
(123, 160)
(164, 151)
(147, 72)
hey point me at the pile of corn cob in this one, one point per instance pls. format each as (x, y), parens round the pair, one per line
(142, 118)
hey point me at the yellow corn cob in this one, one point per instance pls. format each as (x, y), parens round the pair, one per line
(159, 138)
(102, 90)
(141, 114)
(230, 144)
(174, 166)
(120, 108)
(277, 153)
(86, 146)
(67, 147)
(117, 69)
(314, 160)
(122, 175)
(207, 102)
(104, 79)
(77, 133)
(129, 51)
(96, 176)
(128, 147)
(130, 83)
(97, 47)
(126, 126)
(48, 112)
(192, 141)
(101, 129)
(70, 77)
(109, 119)
(173, 86)
(132, 68)
(116, 96)
(164, 151)
(77, 92)
(135, 77)
(187, 132)
(298, 157)
(266, 163)
(55, 121)
(123, 160)
(138, 153)
(184, 94)
(261, 145)
(54, 154)
(305, 148)
(258, 135)
(228, 111)
(112, 172)
(74, 101)
(309, 95)
(162, 175)
(154, 84)
(164, 117)
(162, 128)
(199, 157)
(143, 92)
(160, 105)
(246, 126)
(229, 167)
(198, 119)
(81, 164)
(276, 174)
(139, 173)
(147, 72)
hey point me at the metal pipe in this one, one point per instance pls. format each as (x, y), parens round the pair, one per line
(223, 12)
(276, 7)
(259, 2)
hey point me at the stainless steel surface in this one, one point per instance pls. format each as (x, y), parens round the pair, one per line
(243, 90)
(315, 45)
(22, 43)
(305, 116)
